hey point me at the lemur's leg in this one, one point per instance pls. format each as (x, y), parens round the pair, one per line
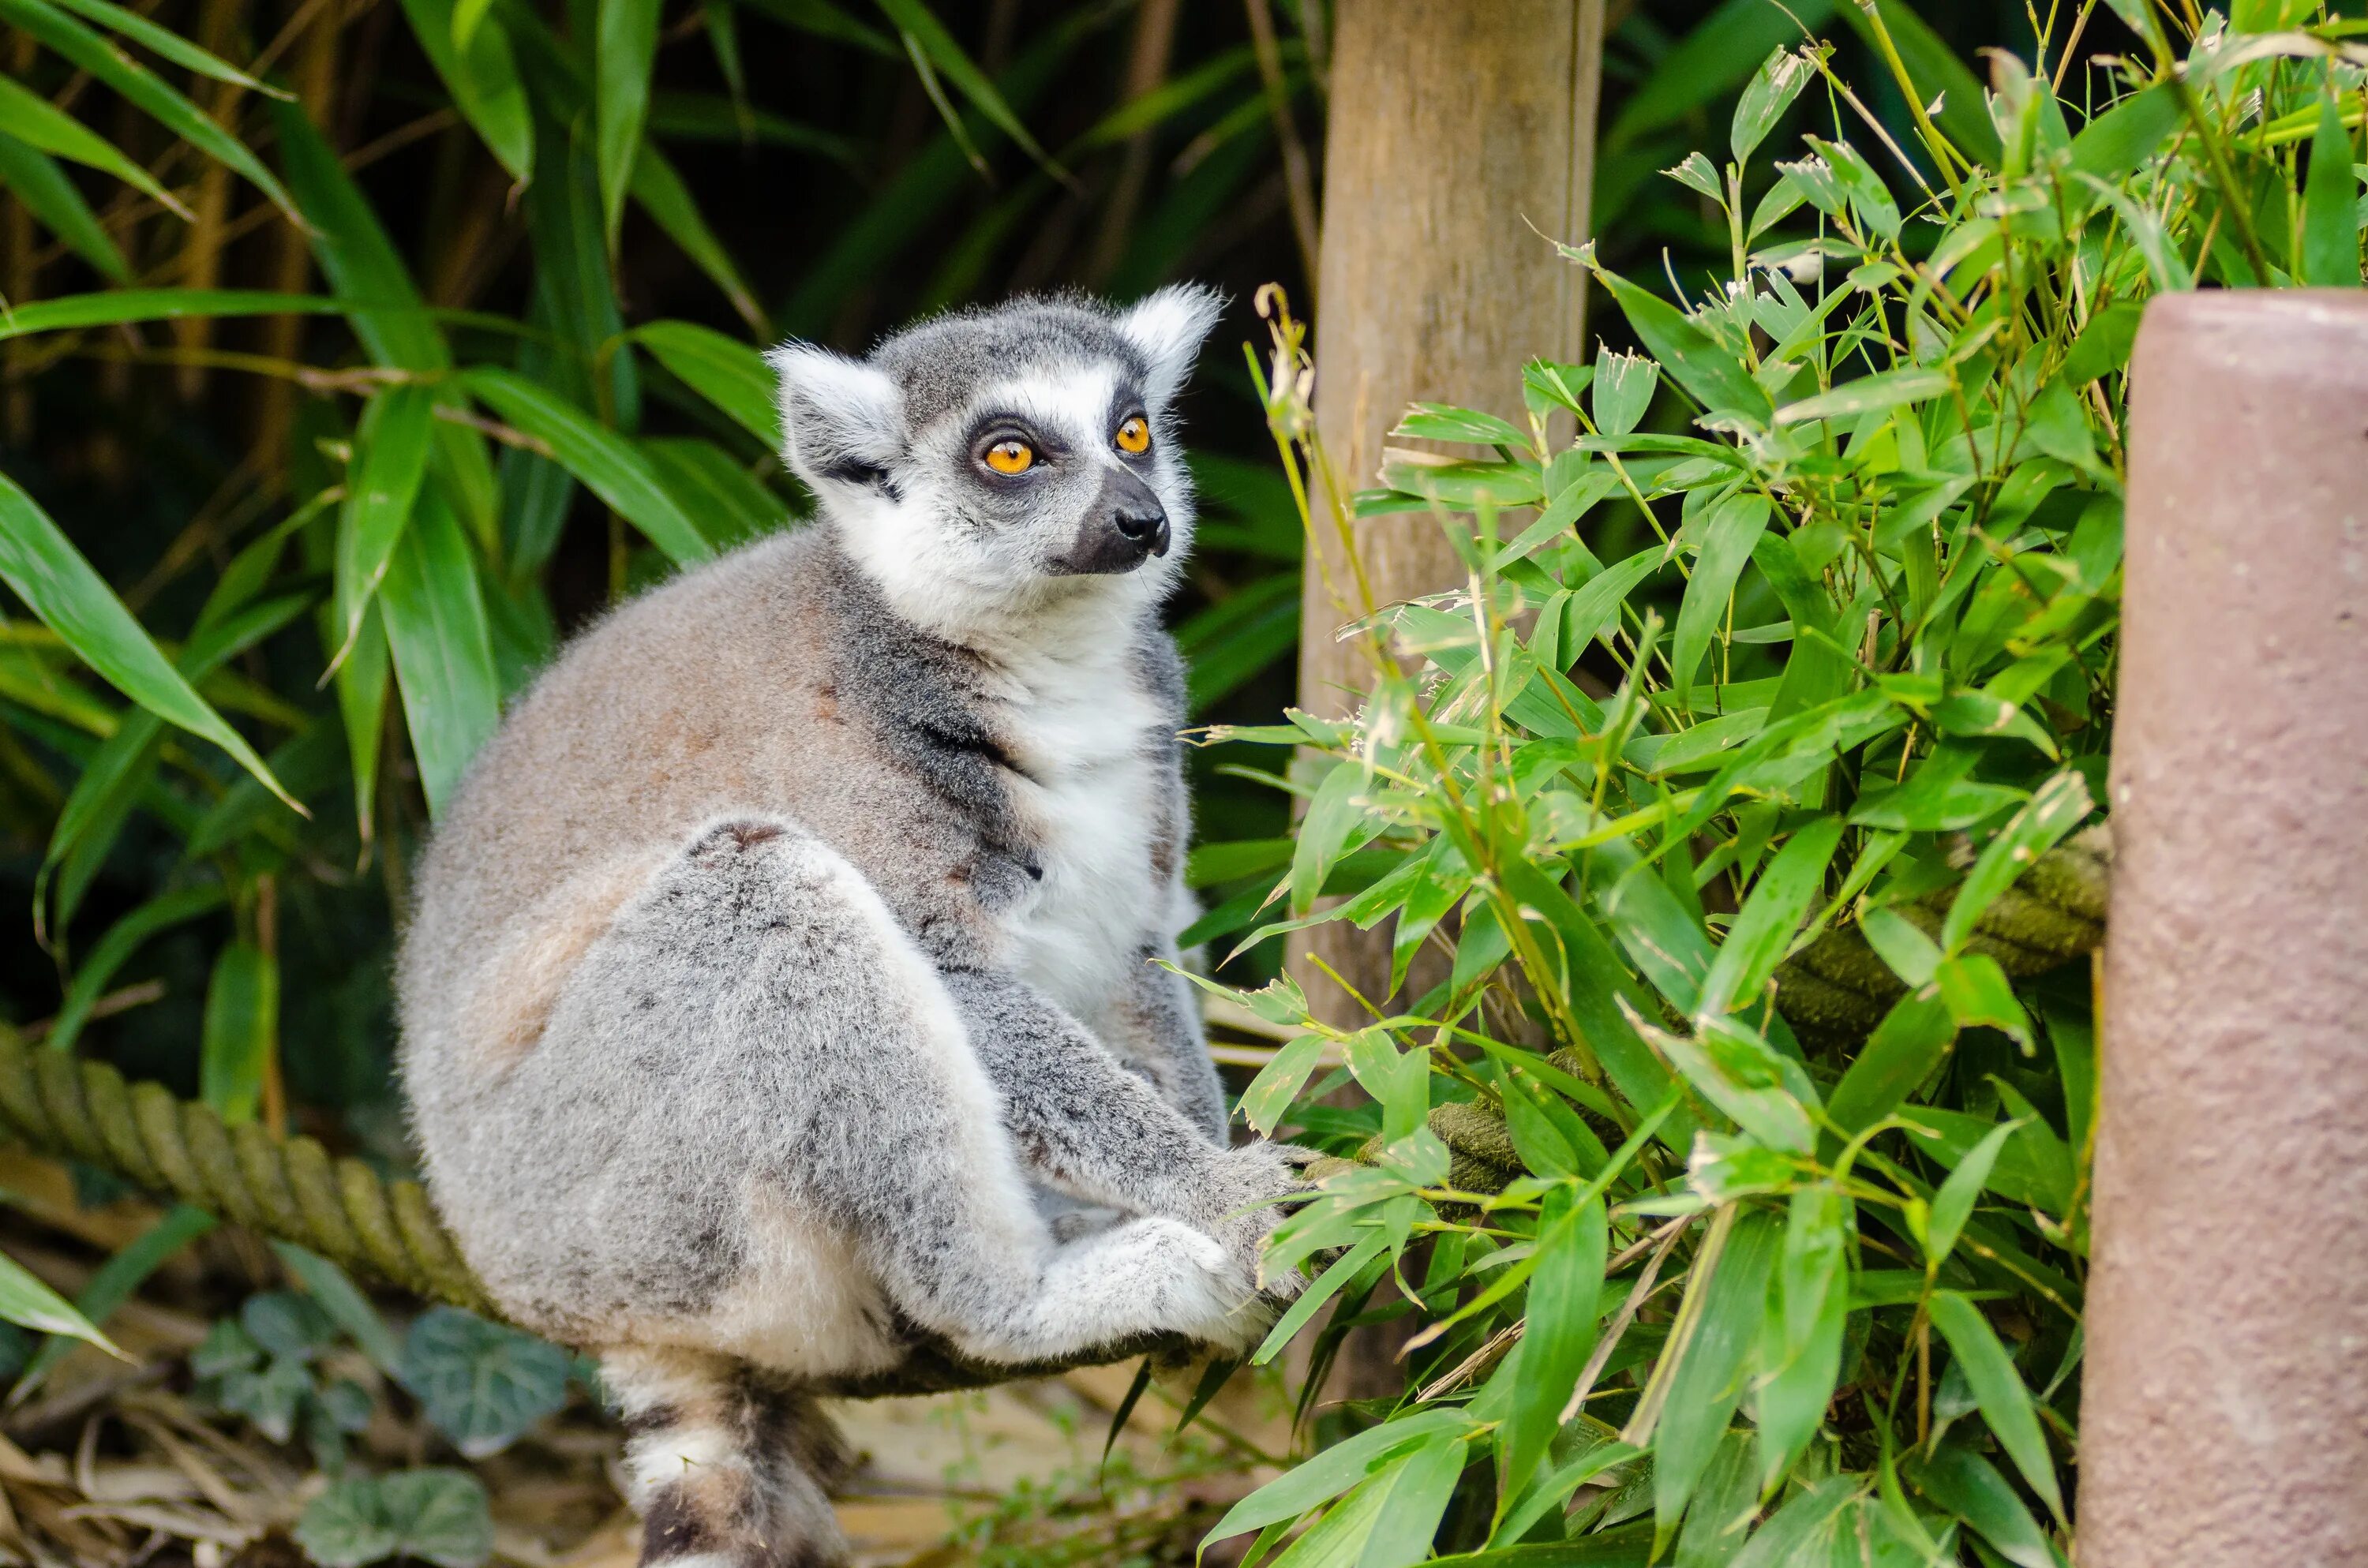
(821, 1028)
(1087, 1125)
(728, 1468)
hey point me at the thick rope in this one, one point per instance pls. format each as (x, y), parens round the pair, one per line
(289, 1188)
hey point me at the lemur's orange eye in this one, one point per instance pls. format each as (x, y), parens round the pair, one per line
(1133, 435)
(1011, 457)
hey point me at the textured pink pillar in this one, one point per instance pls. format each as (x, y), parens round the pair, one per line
(2224, 1414)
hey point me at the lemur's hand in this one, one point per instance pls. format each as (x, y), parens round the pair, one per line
(1244, 1207)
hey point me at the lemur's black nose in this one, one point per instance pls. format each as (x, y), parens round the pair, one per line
(1143, 526)
(1126, 526)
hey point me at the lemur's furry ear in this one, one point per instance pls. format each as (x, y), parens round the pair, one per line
(841, 419)
(1168, 327)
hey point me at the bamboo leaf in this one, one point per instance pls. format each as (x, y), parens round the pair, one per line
(2006, 1404)
(165, 42)
(1905, 1048)
(37, 181)
(32, 118)
(606, 464)
(142, 87)
(1562, 1317)
(242, 1032)
(661, 193)
(435, 615)
(113, 950)
(28, 1303)
(2331, 206)
(481, 69)
(116, 306)
(1764, 929)
(389, 461)
(114, 1284)
(921, 25)
(625, 50)
(1708, 1380)
(59, 586)
(1728, 532)
(1953, 1204)
(2056, 808)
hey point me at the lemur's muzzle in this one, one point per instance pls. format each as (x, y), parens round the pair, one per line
(1125, 527)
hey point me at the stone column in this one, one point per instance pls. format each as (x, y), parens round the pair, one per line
(2224, 1411)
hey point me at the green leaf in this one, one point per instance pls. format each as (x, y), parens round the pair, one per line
(144, 90)
(1279, 1083)
(434, 611)
(2006, 1403)
(113, 950)
(30, 118)
(1729, 531)
(120, 305)
(608, 465)
(1969, 1487)
(1336, 1469)
(344, 1305)
(440, 1515)
(1766, 96)
(481, 70)
(115, 1282)
(37, 181)
(28, 1303)
(59, 586)
(2330, 206)
(1901, 1053)
(2057, 808)
(1415, 1497)
(1953, 1204)
(1470, 426)
(1977, 993)
(1562, 1320)
(1713, 373)
(1764, 929)
(480, 1383)
(663, 195)
(165, 42)
(1801, 1343)
(1868, 196)
(1804, 1529)
(625, 50)
(1708, 1382)
(2113, 145)
(1623, 390)
(390, 462)
(242, 1032)
(715, 492)
(921, 25)
(1867, 395)
(727, 373)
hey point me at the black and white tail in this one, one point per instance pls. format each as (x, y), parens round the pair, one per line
(729, 1468)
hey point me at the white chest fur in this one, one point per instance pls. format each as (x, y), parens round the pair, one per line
(1082, 733)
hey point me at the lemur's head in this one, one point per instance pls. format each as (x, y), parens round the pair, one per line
(1006, 459)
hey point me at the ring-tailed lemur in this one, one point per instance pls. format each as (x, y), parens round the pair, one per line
(796, 934)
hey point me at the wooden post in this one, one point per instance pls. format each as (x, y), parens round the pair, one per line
(1455, 128)
(2224, 1412)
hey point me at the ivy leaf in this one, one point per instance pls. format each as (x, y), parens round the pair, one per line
(482, 1384)
(436, 1514)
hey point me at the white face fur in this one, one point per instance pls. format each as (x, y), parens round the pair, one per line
(1006, 473)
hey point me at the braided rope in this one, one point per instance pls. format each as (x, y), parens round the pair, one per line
(290, 1188)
